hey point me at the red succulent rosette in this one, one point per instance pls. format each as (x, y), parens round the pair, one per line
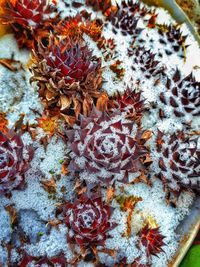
(30, 20)
(88, 220)
(106, 147)
(130, 102)
(25, 12)
(152, 239)
(13, 163)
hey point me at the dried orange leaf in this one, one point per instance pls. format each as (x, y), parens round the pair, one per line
(3, 123)
(65, 102)
(127, 202)
(110, 252)
(70, 120)
(142, 178)
(19, 123)
(64, 169)
(195, 133)
(54, 223)
(119, 71)
(152, 21)
(48, 124)
(77, 107)
(110, 192)
(7, 62)
(49, 185)
(147, 161)
(87, 105)
(13, 214)
(146, 135)
(102, 102)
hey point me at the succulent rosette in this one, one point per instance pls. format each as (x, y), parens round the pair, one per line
(13, 163)
(130, 102)
(58, 261)
(152, 239)
(179, 162)
(27, 19)
(27, 13)
(66, 73)
(103, 5)
(106, 147)
(88, 219)
(182, 95)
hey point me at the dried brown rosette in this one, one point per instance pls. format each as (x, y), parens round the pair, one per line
(179, 161)
(88, 219)
(13, 163)
(106, 147)
(67, 75)
(27, 18)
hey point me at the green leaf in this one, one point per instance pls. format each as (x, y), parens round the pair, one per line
(40, 233)
(192, 258)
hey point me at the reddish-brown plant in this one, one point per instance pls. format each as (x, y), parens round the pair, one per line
(152, 239)
(13, 163)
(50, 262)
(26, 13)
(75, 27)
(125, 17)
(67, 73)
(178, 161)
(183, 95)
(26, 17)
(106, 147)
(88, 219)
(130, 102)
(103, 5)
(144, 61)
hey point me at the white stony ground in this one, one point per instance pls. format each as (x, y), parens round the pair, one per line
(35, 207)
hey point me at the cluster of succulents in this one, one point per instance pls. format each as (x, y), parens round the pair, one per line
(104, 133)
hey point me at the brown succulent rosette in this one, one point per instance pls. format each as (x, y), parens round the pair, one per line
(13, 163)
(67, 74)
(106, 147)
(88, 219)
